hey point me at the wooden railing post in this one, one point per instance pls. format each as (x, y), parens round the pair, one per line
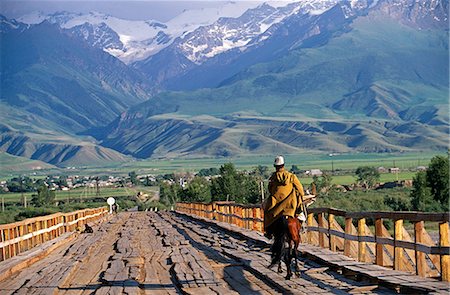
(347, 241)
(239, 214)
(260, 215)
(398, 251)
(420, 256)
(330, 235)
(2, 239)
(253, 223)
(445, 258)
(361, 242)
(21, 242)
(320, 220)
(379, 252)
(310, 224)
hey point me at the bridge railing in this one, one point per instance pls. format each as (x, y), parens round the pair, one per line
(397, 240)
(245, 216)
(21, 236)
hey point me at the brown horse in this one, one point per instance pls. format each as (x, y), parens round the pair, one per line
(287, 229)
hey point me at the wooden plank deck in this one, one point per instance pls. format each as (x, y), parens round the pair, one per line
(171, 253)
(398, 281)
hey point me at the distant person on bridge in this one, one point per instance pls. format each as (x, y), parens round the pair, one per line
(285, 199)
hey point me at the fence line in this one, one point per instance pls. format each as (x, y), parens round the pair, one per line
(361, 235)
(21, 236)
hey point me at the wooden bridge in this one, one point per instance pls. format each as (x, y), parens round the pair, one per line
(218, 249)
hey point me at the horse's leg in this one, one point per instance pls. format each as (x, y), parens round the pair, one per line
(280, 269)
(287, 260)
(277, 248)
(297, 272)
(283, 254)
(290, 240)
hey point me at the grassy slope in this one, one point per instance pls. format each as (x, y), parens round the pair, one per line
(373, 75)
(406, 61)
(12, 165)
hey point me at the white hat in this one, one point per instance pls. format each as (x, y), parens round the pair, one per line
(279, 160)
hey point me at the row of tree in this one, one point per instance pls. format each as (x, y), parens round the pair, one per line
(26, 184)
(430, 190)
(228, 185)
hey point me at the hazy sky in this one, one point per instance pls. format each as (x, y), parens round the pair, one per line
(131, 9)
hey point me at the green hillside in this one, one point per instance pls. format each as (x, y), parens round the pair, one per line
(55, 76)
(53, 86)
(384, 67)
(13, 165)
(380, 87)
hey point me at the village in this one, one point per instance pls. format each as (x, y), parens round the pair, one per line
(94, 182)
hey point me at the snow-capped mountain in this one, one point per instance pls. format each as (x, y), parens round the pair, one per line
(232, 25)
(131, 40)
(7, 25)
(230, 44)
(229, 33)
(211, 54)
(196, 37)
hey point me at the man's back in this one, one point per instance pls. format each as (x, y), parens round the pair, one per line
(284, 189)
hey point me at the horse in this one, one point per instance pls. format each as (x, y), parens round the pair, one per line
(287, 230)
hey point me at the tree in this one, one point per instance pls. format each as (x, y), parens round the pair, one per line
(295, 169)
(20, 184)
(437, 178)
(368, 176)
(43, 197)
(225, 186)
(234, 186)
(430, 189)
(198, 190)
(421, 198)
(169, 194)
(249, 191)
(323, 183)
(208, 172)
(133, 178)
(262, 171)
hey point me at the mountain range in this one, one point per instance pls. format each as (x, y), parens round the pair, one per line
(326, 76)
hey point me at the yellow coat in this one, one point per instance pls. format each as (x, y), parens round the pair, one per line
(285, 196)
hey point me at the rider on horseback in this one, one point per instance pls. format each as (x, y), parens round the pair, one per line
(285, 198)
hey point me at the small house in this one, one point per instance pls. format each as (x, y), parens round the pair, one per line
(316, 172)
(394, 170)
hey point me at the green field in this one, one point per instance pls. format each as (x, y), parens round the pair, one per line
(349, 179)
(84, 193)
(304, 161)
